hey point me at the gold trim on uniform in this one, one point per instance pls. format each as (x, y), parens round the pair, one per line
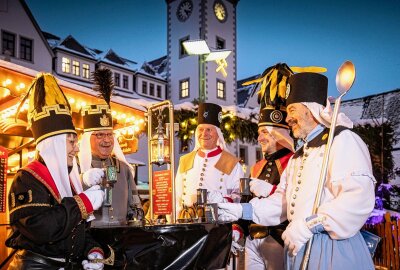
(12, 199)
(58, 198)
(30, 196)
(55, 133)
(82, 207)
(30, 205)
(104, 121)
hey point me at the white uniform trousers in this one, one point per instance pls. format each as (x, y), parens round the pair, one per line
(265, 253)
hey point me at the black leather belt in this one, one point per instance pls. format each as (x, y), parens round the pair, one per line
(259, 232)
(48, 261)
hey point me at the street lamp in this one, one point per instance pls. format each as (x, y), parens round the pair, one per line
(199, 47)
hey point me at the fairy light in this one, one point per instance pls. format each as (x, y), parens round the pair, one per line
(71, 100)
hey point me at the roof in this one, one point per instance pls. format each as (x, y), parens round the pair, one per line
(245, 92)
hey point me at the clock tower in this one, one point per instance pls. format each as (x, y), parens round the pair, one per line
(213, 21)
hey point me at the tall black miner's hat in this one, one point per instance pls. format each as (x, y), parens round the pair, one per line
(49, 112)
(271, 95)
(209, 113)
(98, 116)
(307, 87)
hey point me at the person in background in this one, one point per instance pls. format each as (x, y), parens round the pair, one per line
(348, 191)
(209, 166)
(100, 151)
(264, 245)
(48, 208)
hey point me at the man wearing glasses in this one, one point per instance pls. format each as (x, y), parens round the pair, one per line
(103, 162)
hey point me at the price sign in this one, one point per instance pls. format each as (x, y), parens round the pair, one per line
(162, 193)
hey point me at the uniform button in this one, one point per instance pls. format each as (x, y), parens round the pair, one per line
(203, 169)
(306, 154)
(293, 204)
(184, 179)
(291, 212)
(299, 174)
(112, 217)
(270, 163)
(201, 178)
(204, 165)
(184, 193)
(297, 189)
(294, 196)
(205, 160)
(221, 180)
(269, 169)
(301, 167)
(202, 174)
(220, 187)
(267, 175)
(200, 184)
(299, 182)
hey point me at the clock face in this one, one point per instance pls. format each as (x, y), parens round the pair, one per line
(184, 10)
(220, 11)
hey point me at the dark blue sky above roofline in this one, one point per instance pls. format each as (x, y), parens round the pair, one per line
(300, 33)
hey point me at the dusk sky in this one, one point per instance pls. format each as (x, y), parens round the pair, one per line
(300, 33)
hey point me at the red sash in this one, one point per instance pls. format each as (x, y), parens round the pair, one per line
(42, 174)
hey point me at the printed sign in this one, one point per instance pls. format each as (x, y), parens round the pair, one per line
(162, 193)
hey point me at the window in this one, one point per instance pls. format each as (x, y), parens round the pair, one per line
(66, 65)
(144, 88)
(243, 154)
(182, 51)
(26, 49)
(159, 91)
(75, 68)
(125, 81)
(184, 88)
(259, 155)
(116, 79)
(220, 43)
(221, 89)
(151, 89)
(8, 43)
(85, 71)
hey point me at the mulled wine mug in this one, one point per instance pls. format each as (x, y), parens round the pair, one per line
(245, 186)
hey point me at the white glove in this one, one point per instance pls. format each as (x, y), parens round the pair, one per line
(93, 176)
(214, 196)
(229, 211)
(87, 265)
(260, 188)
(95, 196)
(296, 235)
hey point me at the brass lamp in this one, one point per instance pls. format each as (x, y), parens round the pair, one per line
(160, 152)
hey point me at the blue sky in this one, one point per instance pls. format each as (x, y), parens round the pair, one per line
(300, 33)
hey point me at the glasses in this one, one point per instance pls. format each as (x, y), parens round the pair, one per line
(102, 136)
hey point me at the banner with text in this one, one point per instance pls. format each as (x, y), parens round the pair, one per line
(162, 193)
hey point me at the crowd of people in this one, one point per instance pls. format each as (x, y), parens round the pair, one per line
(55, 199)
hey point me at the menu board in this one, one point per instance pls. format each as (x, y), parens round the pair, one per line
(3, 178)
(162, 193)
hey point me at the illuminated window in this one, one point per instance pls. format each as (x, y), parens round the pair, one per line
(75, 68)
(220, 43)
(125, 81)
(8, 43)
(66, 65)
(221, 89)
(243, 153)
(85, 71)
(26, 49)
(184, 88)
(116, 79)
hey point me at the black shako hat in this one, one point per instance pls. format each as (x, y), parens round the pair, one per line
(209, 113)
(98, 116)
(307, 87)
(49, 110)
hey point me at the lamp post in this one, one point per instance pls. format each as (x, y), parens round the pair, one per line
(199, 47)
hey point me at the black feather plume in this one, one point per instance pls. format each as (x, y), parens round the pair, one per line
(40, 94)
(103, 83)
